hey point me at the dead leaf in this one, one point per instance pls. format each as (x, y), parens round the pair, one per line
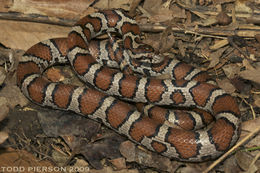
(119, 163)
(2, 75)
(162, 16)
(22, 35)
(22, 161)
(231, 166)
(63, 8)
(231, 70)
(247, 65)
(182, 47)
(244, 160)
(152, 6)
(257, 100)
(11, 91)
(107, 147)
(127, 149)
(226, 85)
(250, 126)
(56, 123)
(108, 169)
(147, 158)
(110, 4)
(3, 137)
(4, 108)
(252, 75)
(214, 57)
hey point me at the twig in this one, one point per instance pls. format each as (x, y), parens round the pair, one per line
(242, 31)
(36, 18)
(232, 149)
(251, 107)
(206, 32)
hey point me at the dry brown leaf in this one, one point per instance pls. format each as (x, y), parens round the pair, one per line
(162, 15)
(230, 166)
(2, 75)
(253, 75)
(231, 70)
(110, 4)
(152, 6)
(146, 158)
(22, 35)
(5, 4)
(244, 160)
(4, 108)
(178, 12)
(247, 64)
(251, 125)
(63, 8)
(241, 6)
(3, 137)
(22, 161)
(215, 57)
(119, 163)
(110, 170)
(257, 100)
(182, 47)
(11, 91)
(226, 85)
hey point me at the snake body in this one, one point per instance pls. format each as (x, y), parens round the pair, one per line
(188, 88)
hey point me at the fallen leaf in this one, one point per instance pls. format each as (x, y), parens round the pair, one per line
(214, 57)
(2, 75)
(247, 65)
(231, 70)
(152, 6)
(147, 158)
(107, 147)
(22, 35)
(226, 85)
(3, 137)
(110, 4)
(56, 123)
(257, 100)
(252, 75)
(118, 163)
(230, 165)
(244, 160)
(62, 8)
(11, 91)
(23, 161)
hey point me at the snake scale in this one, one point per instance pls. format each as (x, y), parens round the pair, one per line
(187, 88)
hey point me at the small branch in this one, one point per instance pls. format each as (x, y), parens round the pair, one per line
(36, 18)
(216, 32)
(207, 32)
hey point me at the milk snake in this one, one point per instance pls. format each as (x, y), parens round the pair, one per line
(187, 88)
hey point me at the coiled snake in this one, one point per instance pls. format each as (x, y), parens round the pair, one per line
(187, 88)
